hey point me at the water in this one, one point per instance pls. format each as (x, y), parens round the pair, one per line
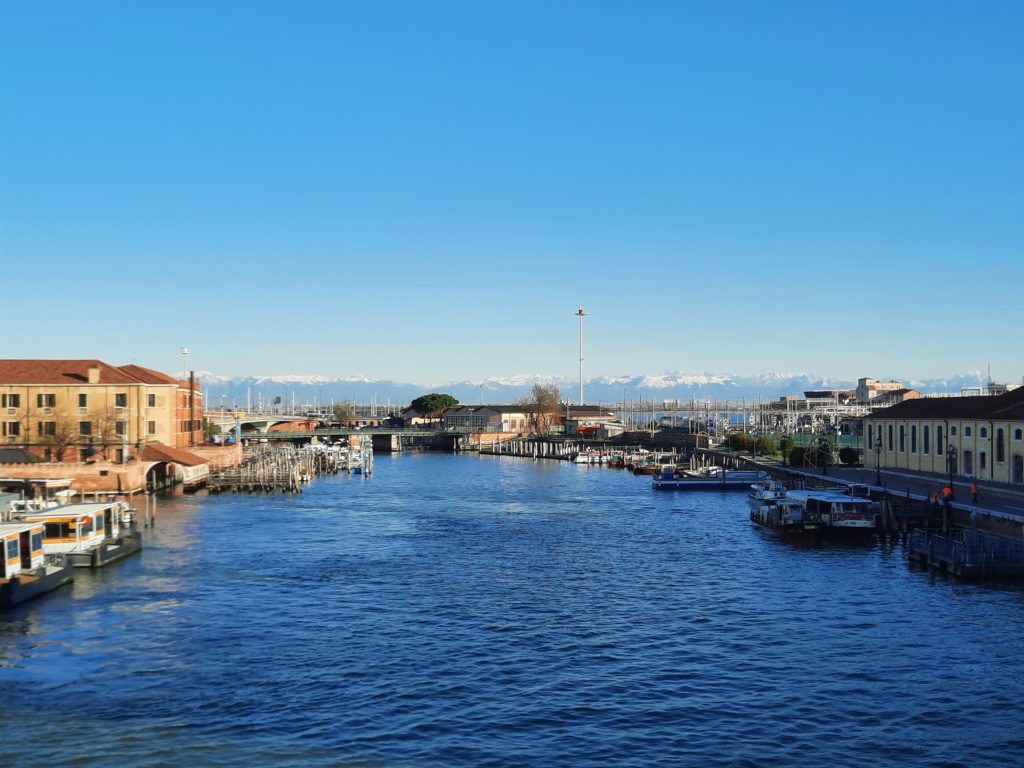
(464, 611)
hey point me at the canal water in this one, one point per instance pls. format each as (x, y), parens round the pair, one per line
(481, 611)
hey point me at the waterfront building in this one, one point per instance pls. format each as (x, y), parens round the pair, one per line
(77, 410)
(979, 437)
(486, 418)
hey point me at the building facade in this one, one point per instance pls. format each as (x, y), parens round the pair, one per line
(975, 437)
(486, 418)
(74, 410)
(868, 389)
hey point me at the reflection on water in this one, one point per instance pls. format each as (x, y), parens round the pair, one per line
(457, 610)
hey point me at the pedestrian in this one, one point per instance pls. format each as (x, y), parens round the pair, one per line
(974, 492)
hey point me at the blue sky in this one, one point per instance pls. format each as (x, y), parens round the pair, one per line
(426, 191)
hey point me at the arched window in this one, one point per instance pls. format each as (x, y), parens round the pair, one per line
(903, 438)
(890, 438)
(913, 438)
(1000, 446)
(924, 438)
(938, 440)
(1018, 434)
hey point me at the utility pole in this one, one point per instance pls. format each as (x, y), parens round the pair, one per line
(581, 314)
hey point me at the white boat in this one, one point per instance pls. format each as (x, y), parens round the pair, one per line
(786, 516)
(837, 514)
(767, 491)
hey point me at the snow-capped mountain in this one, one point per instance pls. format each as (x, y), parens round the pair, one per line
(325, 390)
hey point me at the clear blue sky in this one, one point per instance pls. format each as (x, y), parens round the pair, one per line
(426, 191)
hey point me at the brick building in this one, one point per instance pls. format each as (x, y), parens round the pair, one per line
(75, 410)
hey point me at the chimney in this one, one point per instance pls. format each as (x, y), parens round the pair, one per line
(94, 374)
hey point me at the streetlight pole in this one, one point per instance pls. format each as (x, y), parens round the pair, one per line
(878, 461)
(951, 463)
(581, 314)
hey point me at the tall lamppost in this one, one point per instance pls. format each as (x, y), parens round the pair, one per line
(878, 461)
(951, 463)
(581, 314)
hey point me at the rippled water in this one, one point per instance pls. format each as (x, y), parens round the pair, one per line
(464, 611)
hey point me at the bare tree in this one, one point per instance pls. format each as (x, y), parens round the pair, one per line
(58, 434)
(542, 406)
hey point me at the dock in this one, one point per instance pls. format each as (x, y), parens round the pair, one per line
(283, 468)
(967, 553)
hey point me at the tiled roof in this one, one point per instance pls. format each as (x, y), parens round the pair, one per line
(76, 372)
(161, 452)
(148, 375)
(1008, 406)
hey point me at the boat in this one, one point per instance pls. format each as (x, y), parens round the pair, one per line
(767, 491)
(87, 535)
(689, 480)
(785, 516)
(25, 570)
(841, 515)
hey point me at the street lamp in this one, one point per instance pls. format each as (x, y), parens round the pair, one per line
(878, 461)
(951, 463)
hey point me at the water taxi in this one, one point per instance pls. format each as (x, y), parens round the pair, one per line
(24, 570)
(88, 535)
(786, 516)
(837, 514)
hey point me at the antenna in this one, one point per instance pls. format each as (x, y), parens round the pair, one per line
(581, 314)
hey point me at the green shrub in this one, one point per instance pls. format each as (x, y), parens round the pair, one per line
(849, 456)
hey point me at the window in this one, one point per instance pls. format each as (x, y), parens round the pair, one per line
(47, 427)
(121, 428)
(913, 438)
(151, 401)
(890, 438)
(12, 401)
(903, 438)
(83, 400)
(967, 431)
(121, 400)
(12, 549)
(938, 440)
(983, 432)
(85, 428)
(952, 432)
(925, 432)
(1018, 434)
(46, 400)
(37, 542)
(58, 531)
(871, 436)
(1000, 445)
(12, 428)
(982, 456)
(150, 427)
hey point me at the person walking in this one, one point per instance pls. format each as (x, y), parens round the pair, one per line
(974, 492)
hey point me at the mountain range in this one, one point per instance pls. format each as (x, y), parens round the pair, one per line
(324, 390)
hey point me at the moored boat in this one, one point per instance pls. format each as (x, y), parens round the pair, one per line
(839, 515)
(767, 491)
(785, 516)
